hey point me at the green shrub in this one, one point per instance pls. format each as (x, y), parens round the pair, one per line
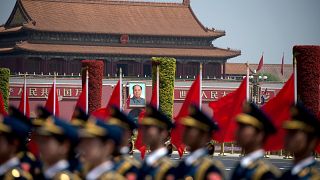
(4, 85)
(167, 71)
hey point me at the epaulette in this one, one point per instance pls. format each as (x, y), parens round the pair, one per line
(133, 161)
(165, 164)
(111, 176)
(66, 175)
(17, 173)
(205, 164)
(311, 172)
(28, 154)
(263, 167)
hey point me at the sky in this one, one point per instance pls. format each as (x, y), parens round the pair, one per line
(271, 27)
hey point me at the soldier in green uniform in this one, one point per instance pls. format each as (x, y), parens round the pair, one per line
(302, 137)
(98, 142)
(197, 133)
(12, 140)
(254, 127)
(125, 165)
(56, 140)
(155, 128)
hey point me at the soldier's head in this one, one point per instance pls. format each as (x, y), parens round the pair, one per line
(137, 90)
(56, 140)
(13, 134)
(155, 127)
(98, 141)
(302, 131)
(121, 120)
(198, 128)
(254, 127)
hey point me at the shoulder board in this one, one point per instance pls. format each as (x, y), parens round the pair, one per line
(111, 175)
(66, 175)
(315, 174)
(205, 164)
(165, 164)
(133, 161)
(264, 167)
(17, 173)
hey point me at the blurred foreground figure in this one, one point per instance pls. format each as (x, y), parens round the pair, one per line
(155, 130)
(198, 132)
(56, 141)
(124, 164)
(13, 134)
(98, 142)
(303, 132)
(253, 129)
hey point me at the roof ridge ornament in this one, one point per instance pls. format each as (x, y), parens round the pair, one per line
(186, 2)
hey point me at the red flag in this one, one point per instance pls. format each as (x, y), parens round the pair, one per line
(226, 109)
(2, 109)
(154, 97)
(278, 110)
(24, 101)
(51, 101)
(139, 144)
(260, 64)
(114, 100)
(81, 103)
(115, 96)
(282, 64)
(193, 97)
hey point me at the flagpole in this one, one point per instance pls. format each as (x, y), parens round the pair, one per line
(282, 67)
(247, 83)
(295, 79)
(158, 83)
(87, 91)
(120, 89)
(25, 95)
(200, 101)
(262, 66)
(54, 94)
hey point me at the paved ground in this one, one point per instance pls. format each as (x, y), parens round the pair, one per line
(230, 161)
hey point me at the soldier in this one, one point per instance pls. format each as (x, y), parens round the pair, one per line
(125, 165)
(98, 143)
(12, 140)
(198, 132)
(56, 141)
(79, 117)
(302, 137)
(254, 127)
(29, 162)
(155, 128)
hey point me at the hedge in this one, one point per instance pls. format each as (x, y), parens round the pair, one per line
(95, 68)
(167, 71)
(4, 85)
(308, 76)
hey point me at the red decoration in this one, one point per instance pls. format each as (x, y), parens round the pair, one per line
(225, 110)
(278, 110)
(308, 76)
(124, 39)
(2, 108)
(21, 105)
(95, 68)
(192, 98)
(50, 102)
(260, 64)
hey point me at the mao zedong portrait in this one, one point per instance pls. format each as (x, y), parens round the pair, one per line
(137, 99)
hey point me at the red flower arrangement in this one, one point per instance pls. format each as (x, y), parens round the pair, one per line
(308, 75)
(95, 69)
